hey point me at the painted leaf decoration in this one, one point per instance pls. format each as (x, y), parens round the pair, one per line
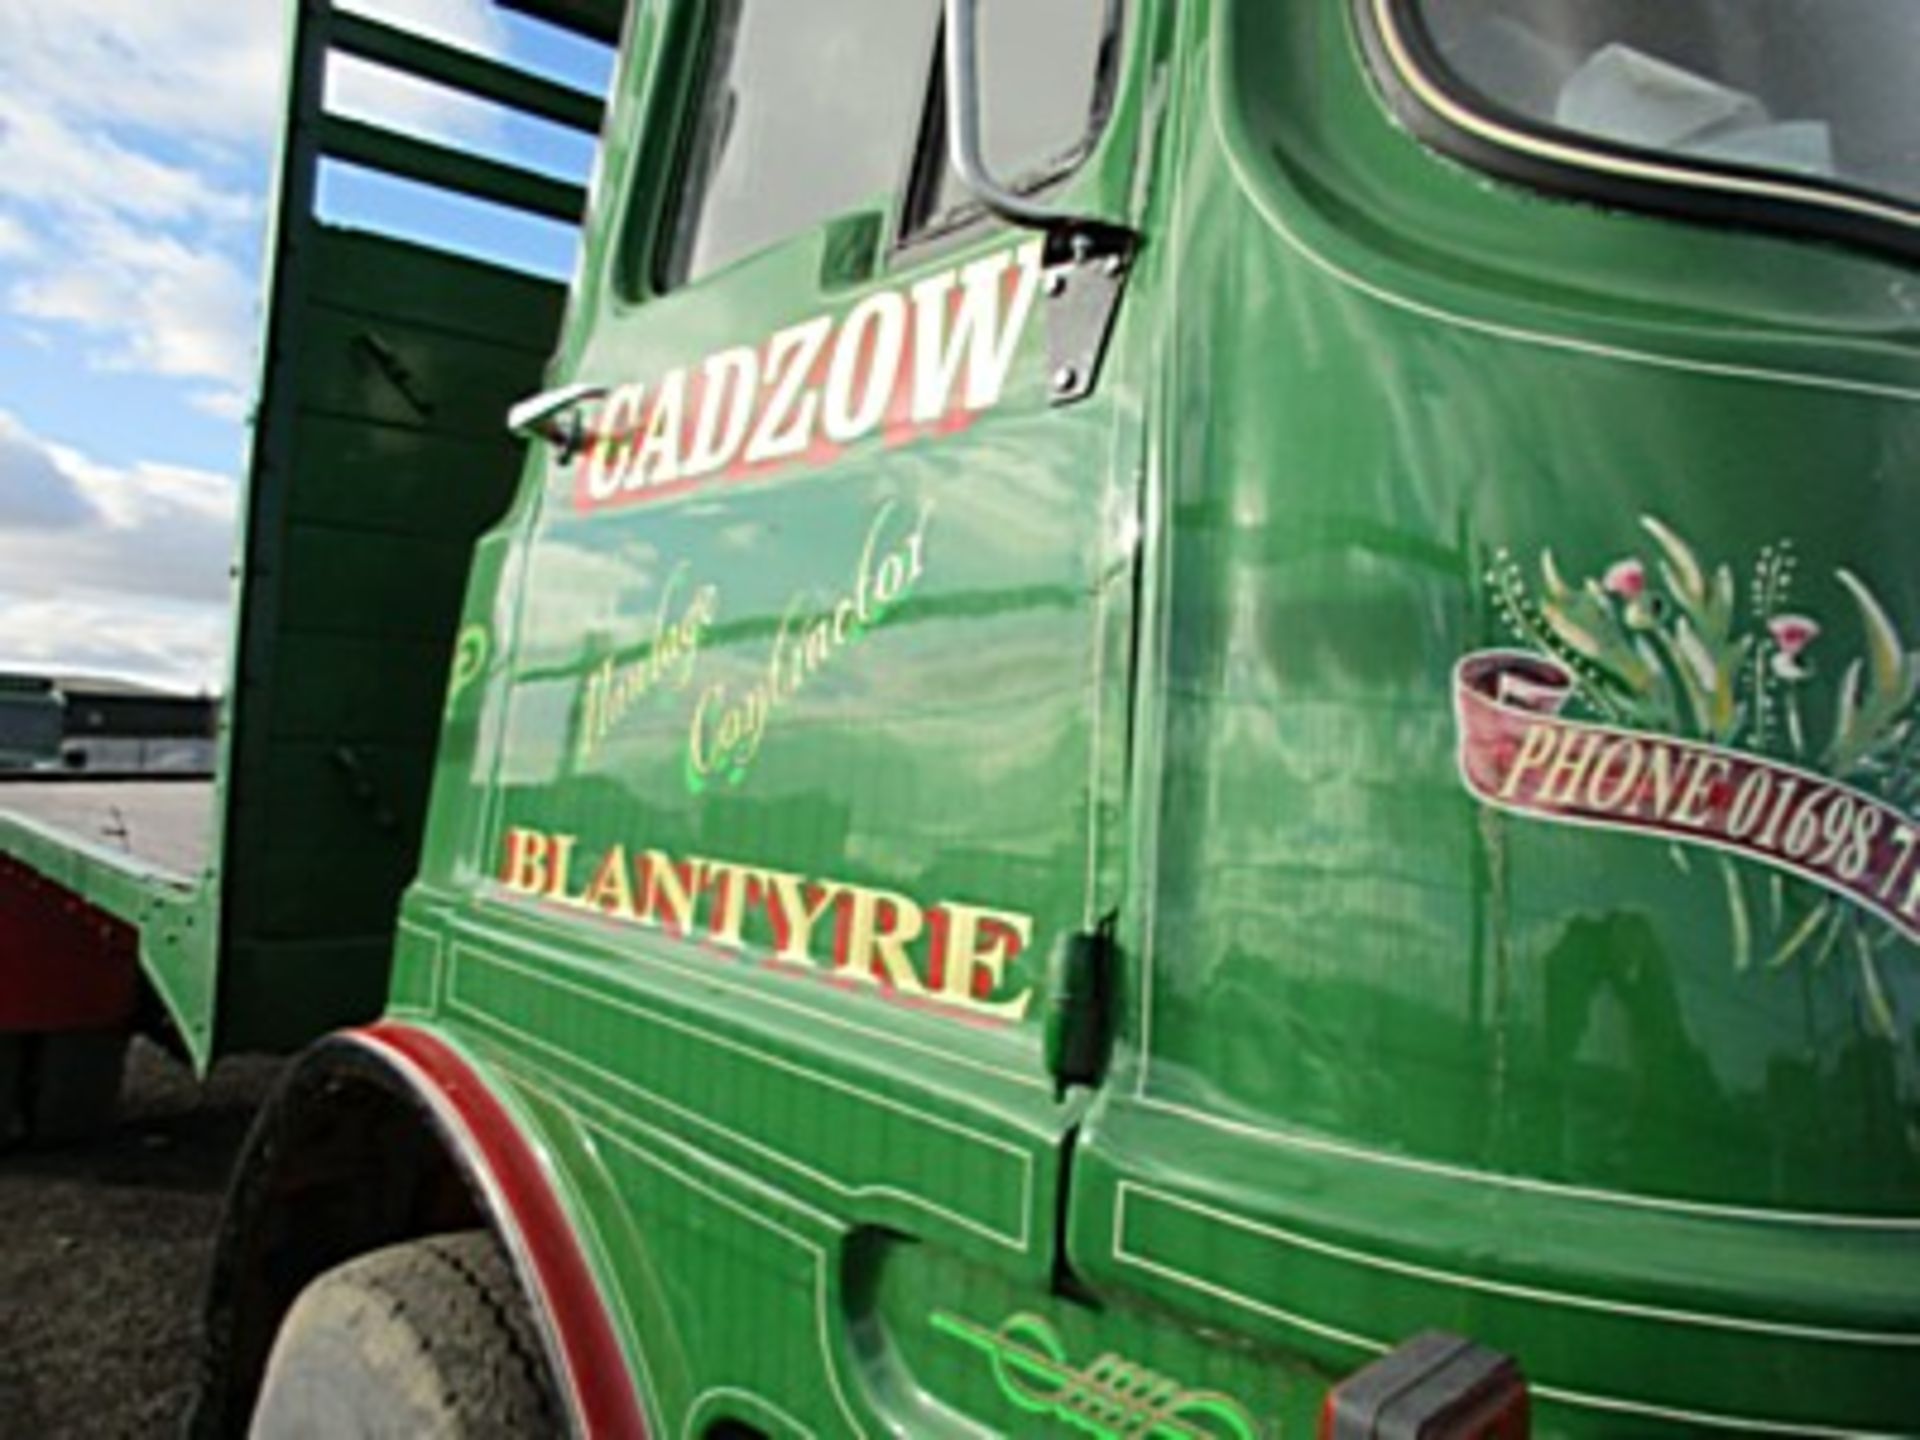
(1879, 1008)
(1634, 672)
(1892, 679)
(1684, 575)
(1847, 721)
(1570, 630)
(1802, 933)
(1835, 928)
(1701, 667)
(1550, 574)
(1720, 611)
(1658, 689)
(1737, 917)
(1728, 713)
(1685, 657)
(1586, 620)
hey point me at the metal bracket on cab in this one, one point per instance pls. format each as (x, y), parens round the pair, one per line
(1083, 276)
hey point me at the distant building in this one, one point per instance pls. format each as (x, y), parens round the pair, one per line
(32, 721)
(93, 724)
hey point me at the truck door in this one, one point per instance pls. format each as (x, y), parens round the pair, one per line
(813, 710)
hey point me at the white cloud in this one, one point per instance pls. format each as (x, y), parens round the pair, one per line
(134, 145)
(83, 170)
(229, 405)
(180, 648)
(100, 563)
(15, 242)
(36, 493)
(162, 305)
(185, 68)
(181, 67)
(135, 142)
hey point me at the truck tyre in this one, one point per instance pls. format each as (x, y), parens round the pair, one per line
(71, 1085)
(426, 1338)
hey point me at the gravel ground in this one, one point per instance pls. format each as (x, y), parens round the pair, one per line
(104, 1251)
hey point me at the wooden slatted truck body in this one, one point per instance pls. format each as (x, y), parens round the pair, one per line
(1149, 707)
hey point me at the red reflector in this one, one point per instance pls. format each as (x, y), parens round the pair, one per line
(1434, 1387)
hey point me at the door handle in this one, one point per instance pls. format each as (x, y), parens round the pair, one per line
(554, 416)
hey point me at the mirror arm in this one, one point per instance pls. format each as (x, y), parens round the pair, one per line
(1086, 260)
(1069, 236)
(964, 129)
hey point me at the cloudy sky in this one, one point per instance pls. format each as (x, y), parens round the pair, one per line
(135, 142)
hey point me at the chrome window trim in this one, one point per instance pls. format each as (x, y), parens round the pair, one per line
(1458, 121)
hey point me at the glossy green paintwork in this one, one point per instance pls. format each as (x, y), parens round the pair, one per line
(1403, 1062)
(1388, 1061)
(1181, 665)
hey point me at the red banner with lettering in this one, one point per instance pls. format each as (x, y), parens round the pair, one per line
(1519, 754)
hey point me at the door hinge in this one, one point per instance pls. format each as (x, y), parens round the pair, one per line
(1083, 277)
(1079, 1029)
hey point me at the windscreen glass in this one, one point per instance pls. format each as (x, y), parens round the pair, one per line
(1820, 89)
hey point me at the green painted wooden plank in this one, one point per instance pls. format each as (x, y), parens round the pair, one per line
(357, 899)
(384, 478)
(346, 583)
(362, 367)
(358, 143)
(400, 280)
(361, 689)
(462, 70)
(595, 19)
(277, 994)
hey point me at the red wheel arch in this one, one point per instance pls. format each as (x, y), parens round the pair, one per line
(533, 1222)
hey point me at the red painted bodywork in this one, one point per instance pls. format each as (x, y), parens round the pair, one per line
(538, 1229)
(64, 965)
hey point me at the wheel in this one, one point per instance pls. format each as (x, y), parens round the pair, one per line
(71, 1086)
(426, 1338)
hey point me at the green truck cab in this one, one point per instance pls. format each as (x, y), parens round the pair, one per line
(1163, 695)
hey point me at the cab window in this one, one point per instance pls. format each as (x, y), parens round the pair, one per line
(802, 112)
(1812, 90)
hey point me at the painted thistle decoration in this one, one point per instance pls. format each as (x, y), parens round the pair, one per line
(1660, 643)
